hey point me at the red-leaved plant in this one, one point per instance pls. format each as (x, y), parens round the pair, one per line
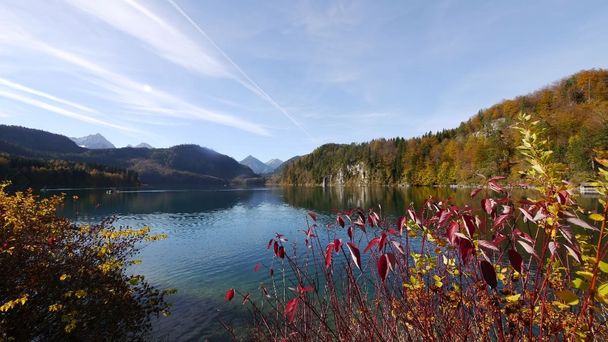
(514, 269)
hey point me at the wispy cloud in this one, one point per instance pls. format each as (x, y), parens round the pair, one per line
(164, 39)
(248, 82)
(168, 42)
(131, 94)
(21, 87)
(58, 110)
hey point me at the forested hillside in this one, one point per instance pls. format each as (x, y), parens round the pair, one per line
(41, 158)
(24, 172)
(574, 112)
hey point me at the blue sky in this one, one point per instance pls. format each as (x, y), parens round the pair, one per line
(278, 78)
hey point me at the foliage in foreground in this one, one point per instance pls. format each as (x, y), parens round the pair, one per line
(509, 269)
(62, 281)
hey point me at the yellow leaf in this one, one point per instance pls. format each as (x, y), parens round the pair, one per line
(585, 274)
(64, 277)
(603, 267)
(513, 298)
(560, 305)
(596, 217)
(567, 297)
(603, 290)
(438, 281)
(80, 293)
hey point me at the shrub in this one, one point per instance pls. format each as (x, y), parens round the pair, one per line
(508, 269)
(62, 281)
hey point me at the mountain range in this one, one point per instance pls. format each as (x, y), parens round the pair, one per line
(573, 112)
(182, 165)
(260, 167)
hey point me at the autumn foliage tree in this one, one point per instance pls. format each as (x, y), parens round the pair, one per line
(62, 281)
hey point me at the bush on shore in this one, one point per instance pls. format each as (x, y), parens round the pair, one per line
(61, 281)
(503, 269)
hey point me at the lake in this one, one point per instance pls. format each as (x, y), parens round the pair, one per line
(217, 237)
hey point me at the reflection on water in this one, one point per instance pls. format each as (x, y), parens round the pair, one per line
(217, 237)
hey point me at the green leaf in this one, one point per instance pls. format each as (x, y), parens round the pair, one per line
(603, 290)
(567, 297)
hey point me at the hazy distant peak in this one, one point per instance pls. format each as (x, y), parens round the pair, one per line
(274, 163)
(256, 165)
(93, 141)
(144, 145)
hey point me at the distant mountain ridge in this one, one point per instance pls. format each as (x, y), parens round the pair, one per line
(182, 165)
(260, 167)
(93, 141)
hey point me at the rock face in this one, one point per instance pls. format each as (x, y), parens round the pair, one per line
(94, 142)
(350, 174)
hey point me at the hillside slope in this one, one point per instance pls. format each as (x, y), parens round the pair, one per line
(181, 165)
(574, 112)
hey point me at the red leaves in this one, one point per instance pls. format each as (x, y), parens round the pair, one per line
(373, 219)
(257, 267)
(379, 240)
(466, 249)
(488, 245)
(371, 244)
(516, 260)
(281, 252)
(350, 233)
(290, 309)
(494, 186)
(401, 223)
(354, 253)
(331, 247)
(469, 224)
(475, 192)
(488, 272)
(488, 205)
(527, 215)
(229, 295)
(578, 222)
(501, 220)
(337, 245)
(312, 215)
(328, 253)
(302, 290)
(563, 197)
(528, 248)
(340, 221)
(451, 232)
(383, 267)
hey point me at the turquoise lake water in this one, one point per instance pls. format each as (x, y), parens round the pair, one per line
(217, 237)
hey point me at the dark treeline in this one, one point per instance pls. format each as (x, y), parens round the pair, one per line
(574, 112)
(26, 172)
